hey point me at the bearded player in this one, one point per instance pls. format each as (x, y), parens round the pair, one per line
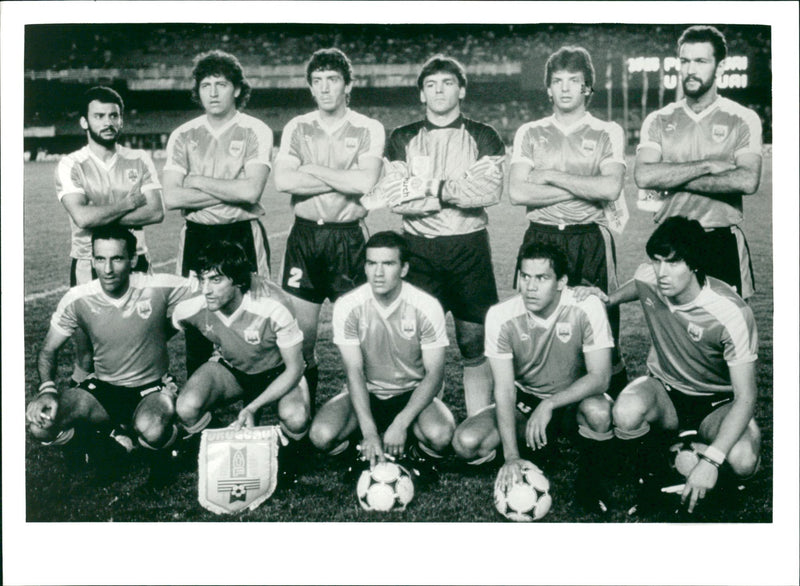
(566, 170)
(392, 339)
(131, 394)
(257, 350)
(217, 167)
(704, 154)
(702, 367)
(445, 171)
(100, 184)
(328, 160)
(550, 356)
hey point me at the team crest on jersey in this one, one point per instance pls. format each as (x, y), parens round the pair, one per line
(132, 175)
(252, 336)
(719, 132)
(564, 331)
(236, 147)
(351, 143)
(588, 145)
(144, 309)
(695, 332)
(408, 326)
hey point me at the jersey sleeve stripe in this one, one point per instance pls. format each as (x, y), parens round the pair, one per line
(742, 334)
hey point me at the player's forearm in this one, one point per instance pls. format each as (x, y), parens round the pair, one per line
(344, 181)
(734, 424)
(299, 183)
(245, 190)
(592, 188)
(184, 198)
(507, 425)
(93, 216)
(536, 195)
(359, 398)
(624, 294)
(151, 213)
(420, 398)
(668, 175)
(481, 187)
(735, 182)
(590, 384)
(46, 365)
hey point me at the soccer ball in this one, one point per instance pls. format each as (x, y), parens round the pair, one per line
(386, 487)
(684, 454)
(528, 500)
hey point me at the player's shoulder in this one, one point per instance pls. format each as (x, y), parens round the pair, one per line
(189, 308)
(717, 293)
(158, 281)
(407, 130)
(506, 310)
(607, 126)
(301, 119)
(421, 300)
(668, 111)
(534, 124)
(82, 291)
(590, 305)
(190, 125)
(352, 299)
(475, 126)
(736, 109)
(268, 303)
(75, 157)
(359, 119)
(133, 154)
(248, 121)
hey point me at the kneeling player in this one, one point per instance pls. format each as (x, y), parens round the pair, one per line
(392, 339)
(701, 362)
(257, 350)
(550, 357)
(124, 316)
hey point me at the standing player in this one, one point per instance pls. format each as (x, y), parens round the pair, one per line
(565, 169)
(392, 339)
(454, 166)
(701, 365)
(216, 170)
(100, 184)
(704, 153)
(328, 159)
(125, 318)
(257, 348)
(551, 362)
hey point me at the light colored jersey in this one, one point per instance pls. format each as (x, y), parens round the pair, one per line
(128, 335)
(391, 338)
(723, 131)
(307, 141)
(548, 354)
(447, 153)
(220, 153)
(103, 183)
(250, 338)
(694, 344)
(580, 149)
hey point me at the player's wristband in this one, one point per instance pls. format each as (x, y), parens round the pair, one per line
(714, 456)
(47, 386)
(709, 460)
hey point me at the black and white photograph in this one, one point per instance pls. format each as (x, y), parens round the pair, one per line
(358, 288)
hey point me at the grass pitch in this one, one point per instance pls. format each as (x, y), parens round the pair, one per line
(320, 495)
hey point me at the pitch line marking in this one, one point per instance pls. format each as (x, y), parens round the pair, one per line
(156, 265)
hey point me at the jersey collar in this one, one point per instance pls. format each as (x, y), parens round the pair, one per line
(534, 320)
(331, 128)
(227, 320)
(697, 116)
(457, 123)
(386, 311)
(566, 129)
(107, 165)
(217, 132)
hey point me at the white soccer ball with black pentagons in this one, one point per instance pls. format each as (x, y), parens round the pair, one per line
(386, 487)
(685, 453)
(526, 500)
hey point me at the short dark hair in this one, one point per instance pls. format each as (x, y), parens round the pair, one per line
(570, 58)
(703, 33)
(224, 64)
(104, 95)
(390, 239)
(331, 59)
(679, 238)
(228, 259)
(540, 250)
(441, 63)
(116, 232)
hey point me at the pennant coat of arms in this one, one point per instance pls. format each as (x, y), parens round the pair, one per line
(237, 469)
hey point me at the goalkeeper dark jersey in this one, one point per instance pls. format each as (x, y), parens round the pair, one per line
(467, 157)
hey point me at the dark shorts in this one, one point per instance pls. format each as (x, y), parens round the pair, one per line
(457, 270)
(253, 384)
(692, 409)
(564, 421)
(121, 402)
(731, 259)
(250, 234)
(385, 410)
(82, 271)
(323, 261)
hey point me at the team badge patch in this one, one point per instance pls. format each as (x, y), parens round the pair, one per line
(588, 145)
(132, 175)
(238, 470)
(144, 309)
(408, 327)
(252, 336)
(695, 332)
(236, 147)
(719, 132)
(350, 143)
(564, 331)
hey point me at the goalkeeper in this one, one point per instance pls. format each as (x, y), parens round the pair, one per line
(440, 175)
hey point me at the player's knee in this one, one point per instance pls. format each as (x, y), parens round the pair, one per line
(628, 412)
(743, 458)
(596, 414)
(322, 435)
(467, 442)
(438, 437)
(294, 416)
(154, 422)
(41, 434)
(189, 406)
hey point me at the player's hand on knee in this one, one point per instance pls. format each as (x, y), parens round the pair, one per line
(536, 430)
(394, 440)
(42, 411)
(510, 473)
(701, 479)
(372, 450)
(244, 419)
